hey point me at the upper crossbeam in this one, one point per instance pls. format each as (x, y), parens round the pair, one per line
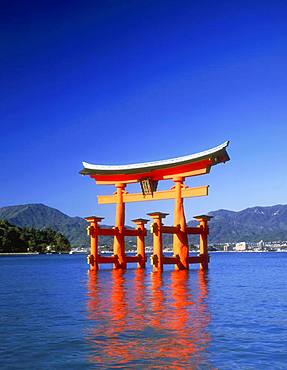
(187, 192)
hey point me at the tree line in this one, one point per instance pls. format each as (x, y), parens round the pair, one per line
(14, 239)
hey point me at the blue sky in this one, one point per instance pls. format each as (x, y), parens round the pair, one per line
(114, 82)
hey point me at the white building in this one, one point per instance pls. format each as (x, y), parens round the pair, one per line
(242, 246)
(261, 244)
(227, 247)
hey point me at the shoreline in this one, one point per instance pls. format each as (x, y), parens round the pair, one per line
(45, 254)
(19, 254)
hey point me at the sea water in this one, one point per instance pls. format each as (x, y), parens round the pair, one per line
(54, 314)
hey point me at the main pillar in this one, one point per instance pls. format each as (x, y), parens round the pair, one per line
(119, 239)
(180, 239)
(157, 258)
(140, 222)
(203, 245)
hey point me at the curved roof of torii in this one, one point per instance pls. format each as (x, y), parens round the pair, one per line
(157, 169)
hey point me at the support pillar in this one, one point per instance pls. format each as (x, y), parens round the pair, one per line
(157, 257)
(92, 232)
(203, 244)
(180, 239)
(140, 222)
(119, 240)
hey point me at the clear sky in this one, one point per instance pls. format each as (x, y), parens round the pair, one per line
(118, 81)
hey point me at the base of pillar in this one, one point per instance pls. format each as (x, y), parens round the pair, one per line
(204, 259)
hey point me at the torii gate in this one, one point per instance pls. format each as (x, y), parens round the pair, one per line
(148, 175)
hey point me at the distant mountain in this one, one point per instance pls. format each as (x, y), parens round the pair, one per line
(251, 224)
(40, 216)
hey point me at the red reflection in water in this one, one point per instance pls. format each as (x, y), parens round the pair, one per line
(156, 320)
(184, 315)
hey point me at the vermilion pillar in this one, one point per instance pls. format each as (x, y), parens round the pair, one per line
(157, 240)
(92, 231)
(180, 239)
(119, 240)
(140, 222)
(203, 245)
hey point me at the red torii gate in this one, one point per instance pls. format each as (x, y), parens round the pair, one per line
(148, 175)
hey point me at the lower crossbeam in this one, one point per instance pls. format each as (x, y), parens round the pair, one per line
(107, 259)
(194, 259)
(170, 260)
(131, 259)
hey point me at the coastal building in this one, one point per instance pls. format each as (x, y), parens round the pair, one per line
(227, 247)
(240, 247)
(261, 244)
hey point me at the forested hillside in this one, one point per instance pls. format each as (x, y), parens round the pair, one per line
(14, 239)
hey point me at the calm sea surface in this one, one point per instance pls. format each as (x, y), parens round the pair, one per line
(56, 315)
